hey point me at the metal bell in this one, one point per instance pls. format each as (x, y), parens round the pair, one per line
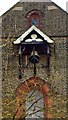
(34, 57)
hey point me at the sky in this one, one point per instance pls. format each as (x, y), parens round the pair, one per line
(7, 4)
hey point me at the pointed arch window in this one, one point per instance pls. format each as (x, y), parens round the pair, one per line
(35, 105)
(35, 21)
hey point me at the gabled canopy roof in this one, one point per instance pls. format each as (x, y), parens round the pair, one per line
(44, 36)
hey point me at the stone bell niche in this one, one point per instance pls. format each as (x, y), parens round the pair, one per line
(34, 53)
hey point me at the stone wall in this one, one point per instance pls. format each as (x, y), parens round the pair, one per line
(13, 25)
(54, 20)
(57, 79)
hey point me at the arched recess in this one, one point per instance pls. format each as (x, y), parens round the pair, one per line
(35, 17)
(32, 84)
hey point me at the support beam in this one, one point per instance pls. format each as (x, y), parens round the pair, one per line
(48, 59)
(20, 76)
(34, 69)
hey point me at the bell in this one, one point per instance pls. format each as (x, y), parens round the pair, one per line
(34, 57)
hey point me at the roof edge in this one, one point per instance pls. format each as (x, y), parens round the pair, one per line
(21, 38)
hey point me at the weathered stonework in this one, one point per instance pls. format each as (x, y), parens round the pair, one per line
(53, 20)
(15, 23)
